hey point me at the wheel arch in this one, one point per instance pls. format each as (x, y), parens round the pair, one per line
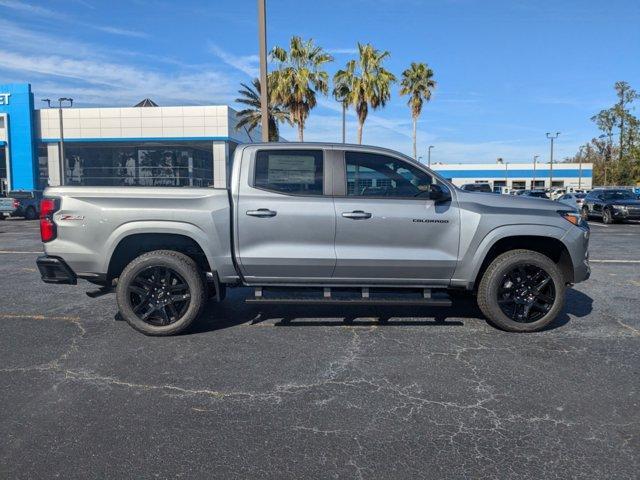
(551, 247)
(129, 242)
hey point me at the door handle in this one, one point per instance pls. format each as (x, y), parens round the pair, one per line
(262, 213)
(357, 215)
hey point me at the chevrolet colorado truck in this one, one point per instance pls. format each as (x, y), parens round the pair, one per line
(314, 223)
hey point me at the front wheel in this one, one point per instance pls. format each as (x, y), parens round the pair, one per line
(521, 291)
(607, 216)
(584, 213)
(161, 293)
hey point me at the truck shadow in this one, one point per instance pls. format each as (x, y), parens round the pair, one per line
(234, 312)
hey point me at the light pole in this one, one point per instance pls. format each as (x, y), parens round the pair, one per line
(264, 94)
(429, 156)
(551, 137)
(62, 159)
(533, 182)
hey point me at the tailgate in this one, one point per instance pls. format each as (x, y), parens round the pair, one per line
(6, 205)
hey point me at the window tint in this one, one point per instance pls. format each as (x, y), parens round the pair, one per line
(297, 172)
(375, 175)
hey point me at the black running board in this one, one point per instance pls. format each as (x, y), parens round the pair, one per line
(432, 302)
(366, 296)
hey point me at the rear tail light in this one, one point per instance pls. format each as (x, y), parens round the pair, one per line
(16, 203)
(48, 230)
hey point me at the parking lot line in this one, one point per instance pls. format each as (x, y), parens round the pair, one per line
(19, 251)
(614, 261)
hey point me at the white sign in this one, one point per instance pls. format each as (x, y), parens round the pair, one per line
(4, 98)
(289, 169)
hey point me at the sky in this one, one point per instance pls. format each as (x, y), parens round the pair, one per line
(507, 71)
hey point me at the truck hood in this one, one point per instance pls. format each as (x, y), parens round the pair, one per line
(510, 204)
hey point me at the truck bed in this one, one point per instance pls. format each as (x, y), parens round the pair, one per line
(92, 221)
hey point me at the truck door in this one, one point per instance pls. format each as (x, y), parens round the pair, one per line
(285, 222)
(387, 230)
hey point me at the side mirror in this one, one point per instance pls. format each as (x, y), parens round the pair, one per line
(437, 193)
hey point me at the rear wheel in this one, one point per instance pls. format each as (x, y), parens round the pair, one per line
(30, 214)
(161, 292)
(521, 291)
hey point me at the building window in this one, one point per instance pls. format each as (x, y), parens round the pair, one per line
(43, 168)
(149, 166)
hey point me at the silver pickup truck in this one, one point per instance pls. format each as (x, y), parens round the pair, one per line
(321, 223)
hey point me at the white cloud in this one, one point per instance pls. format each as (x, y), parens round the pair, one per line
(248, 64)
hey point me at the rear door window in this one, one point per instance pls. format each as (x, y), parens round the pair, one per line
(293, 172)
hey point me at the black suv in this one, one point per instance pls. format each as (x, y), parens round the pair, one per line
(611, 205)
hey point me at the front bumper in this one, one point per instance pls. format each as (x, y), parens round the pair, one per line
(626, 214)
(55, 270)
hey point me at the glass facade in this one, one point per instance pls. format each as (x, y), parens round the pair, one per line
(149, 165)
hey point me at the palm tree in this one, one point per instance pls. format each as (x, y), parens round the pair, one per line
(364, 83)
(417, 82)
(299, 76)
(251, 117)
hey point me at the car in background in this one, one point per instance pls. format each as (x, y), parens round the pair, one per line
(574, 199)
(7, 207)
(26, 203)
(477, 187)
(535, 193)
(611, 205)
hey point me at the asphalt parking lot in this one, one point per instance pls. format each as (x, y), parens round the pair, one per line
(319, 392)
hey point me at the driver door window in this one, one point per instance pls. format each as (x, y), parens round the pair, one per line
(379, 176)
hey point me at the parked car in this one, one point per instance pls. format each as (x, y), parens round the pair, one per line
(611, 205)
(7, 207)
(574, 199)
(27, 204)
(304, 216)
(535, 193)
(477, 187)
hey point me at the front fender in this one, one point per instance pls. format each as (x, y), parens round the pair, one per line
(479, 246)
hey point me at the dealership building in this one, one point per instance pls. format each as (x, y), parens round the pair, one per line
(144, 145)
(519, 175)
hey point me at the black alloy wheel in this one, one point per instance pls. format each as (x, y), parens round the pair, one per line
(159, 295)
(526, 294)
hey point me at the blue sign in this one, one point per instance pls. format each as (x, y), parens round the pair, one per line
(16, 101)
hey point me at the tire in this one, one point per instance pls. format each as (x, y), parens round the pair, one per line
(584, 213)
(30, 214)
(492, 291)
(143, 289)
(607, 216)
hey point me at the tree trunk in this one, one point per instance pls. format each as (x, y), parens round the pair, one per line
(360, 127)
(301, 131)
(415, 149)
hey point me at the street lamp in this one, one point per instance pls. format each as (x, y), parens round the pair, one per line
(533, 183)
(429, 156)
(264, 95)
(551, 137)
(61, 100)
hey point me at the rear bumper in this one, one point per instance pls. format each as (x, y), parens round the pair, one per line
(55, 270)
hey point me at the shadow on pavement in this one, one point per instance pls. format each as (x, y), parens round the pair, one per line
(233, 312)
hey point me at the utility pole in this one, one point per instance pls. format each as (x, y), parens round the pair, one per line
(551, 137)
(264, 93)
(533, 182)
(429, 156)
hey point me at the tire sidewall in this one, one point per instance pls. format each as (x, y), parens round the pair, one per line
(182, 265)
(497, 317)
(30, 214)
(607, 217)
